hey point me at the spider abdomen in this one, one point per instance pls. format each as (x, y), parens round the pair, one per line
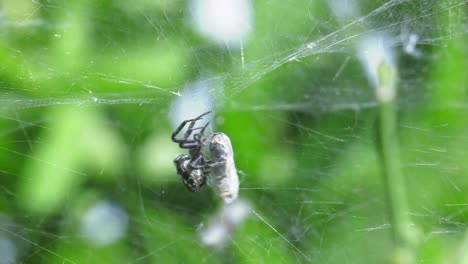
(191, 177)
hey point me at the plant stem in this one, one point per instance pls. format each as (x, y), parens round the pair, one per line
(390, 158)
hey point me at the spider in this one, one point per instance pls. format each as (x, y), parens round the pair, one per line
(195, 168)
(191, 167)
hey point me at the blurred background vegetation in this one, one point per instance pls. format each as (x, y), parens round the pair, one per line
(86, 92)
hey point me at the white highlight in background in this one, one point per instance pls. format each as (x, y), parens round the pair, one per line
(194, 101)
(220, 227)
(410, 42)
(346, 9)
(375, 51)
(104, 223)
(223, 21)
(8, 251)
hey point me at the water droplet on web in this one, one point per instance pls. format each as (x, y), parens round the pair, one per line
(311, 45)
(292, 58)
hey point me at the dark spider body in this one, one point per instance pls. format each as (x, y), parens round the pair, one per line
(190, 167)
(193, 178)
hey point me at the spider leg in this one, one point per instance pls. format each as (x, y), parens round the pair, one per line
(196, 136)
(186, 140)
(197, 142)
(206, 170)
(187, 134)
(196, 162)
(201, 134)
(189, 130)
(203, 129)
(188, 144)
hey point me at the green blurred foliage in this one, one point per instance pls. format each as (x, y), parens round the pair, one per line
(85, 91)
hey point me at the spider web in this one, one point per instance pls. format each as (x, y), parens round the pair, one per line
(90, 92)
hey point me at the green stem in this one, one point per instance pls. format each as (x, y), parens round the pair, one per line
(394, 180)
